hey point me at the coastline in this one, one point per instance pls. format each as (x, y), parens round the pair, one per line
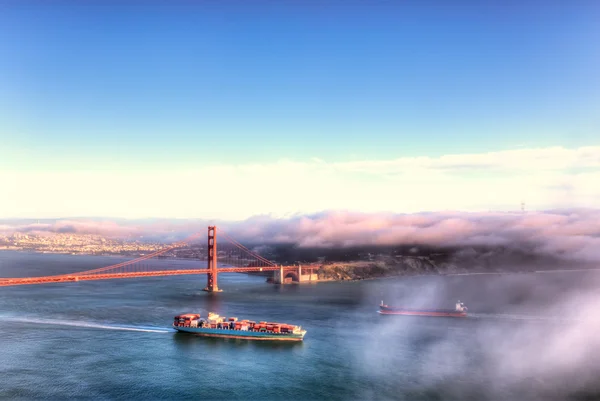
(359, 271)
(66, 253)
(22, 251)
(355, 271)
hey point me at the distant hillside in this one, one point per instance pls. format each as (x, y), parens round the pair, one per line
(373, 262)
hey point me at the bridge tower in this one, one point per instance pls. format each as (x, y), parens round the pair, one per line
(211, 285)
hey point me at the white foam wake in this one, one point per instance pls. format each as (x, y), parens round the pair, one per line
(92, 325)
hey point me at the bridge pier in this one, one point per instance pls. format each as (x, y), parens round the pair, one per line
(282, 276)
(211, 285)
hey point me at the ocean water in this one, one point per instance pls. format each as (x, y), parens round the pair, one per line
(529, 337)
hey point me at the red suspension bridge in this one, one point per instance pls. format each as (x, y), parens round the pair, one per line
(234, 258)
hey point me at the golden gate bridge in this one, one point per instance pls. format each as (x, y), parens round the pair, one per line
(236, 259)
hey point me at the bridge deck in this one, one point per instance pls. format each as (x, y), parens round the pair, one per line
(4, 282)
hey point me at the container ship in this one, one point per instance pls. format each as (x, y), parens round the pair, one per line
(459, 311)
(218, 326)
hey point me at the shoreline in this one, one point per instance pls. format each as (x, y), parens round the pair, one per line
(84, 254)
(474, 273)
(399, 276)
(326, 280)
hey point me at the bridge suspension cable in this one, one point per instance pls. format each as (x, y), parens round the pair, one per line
(133, 261)
(257, 256)
(233, 262)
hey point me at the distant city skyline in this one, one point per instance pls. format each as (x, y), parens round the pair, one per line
(226, 111)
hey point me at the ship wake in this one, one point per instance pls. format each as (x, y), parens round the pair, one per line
(90, 325)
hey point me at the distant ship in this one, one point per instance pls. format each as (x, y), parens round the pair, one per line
(217, 326)
(459, 311)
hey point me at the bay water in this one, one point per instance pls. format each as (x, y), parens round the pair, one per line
(530, 336)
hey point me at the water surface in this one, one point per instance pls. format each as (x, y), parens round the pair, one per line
(529, 336)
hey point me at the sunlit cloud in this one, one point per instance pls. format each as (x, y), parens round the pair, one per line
(543, 178)
(572, 234)
(568, 234)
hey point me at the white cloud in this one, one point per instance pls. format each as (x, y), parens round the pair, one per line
(543, 178)
(548, 159)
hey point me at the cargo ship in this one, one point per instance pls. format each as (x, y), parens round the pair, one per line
(218, 326)
(460, 310)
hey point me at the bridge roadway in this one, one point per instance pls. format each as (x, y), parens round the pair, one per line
(5, 282)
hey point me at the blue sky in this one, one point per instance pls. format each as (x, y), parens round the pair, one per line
(169, 86)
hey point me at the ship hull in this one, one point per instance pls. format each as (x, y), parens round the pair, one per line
(423, 312)
(241, 334)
